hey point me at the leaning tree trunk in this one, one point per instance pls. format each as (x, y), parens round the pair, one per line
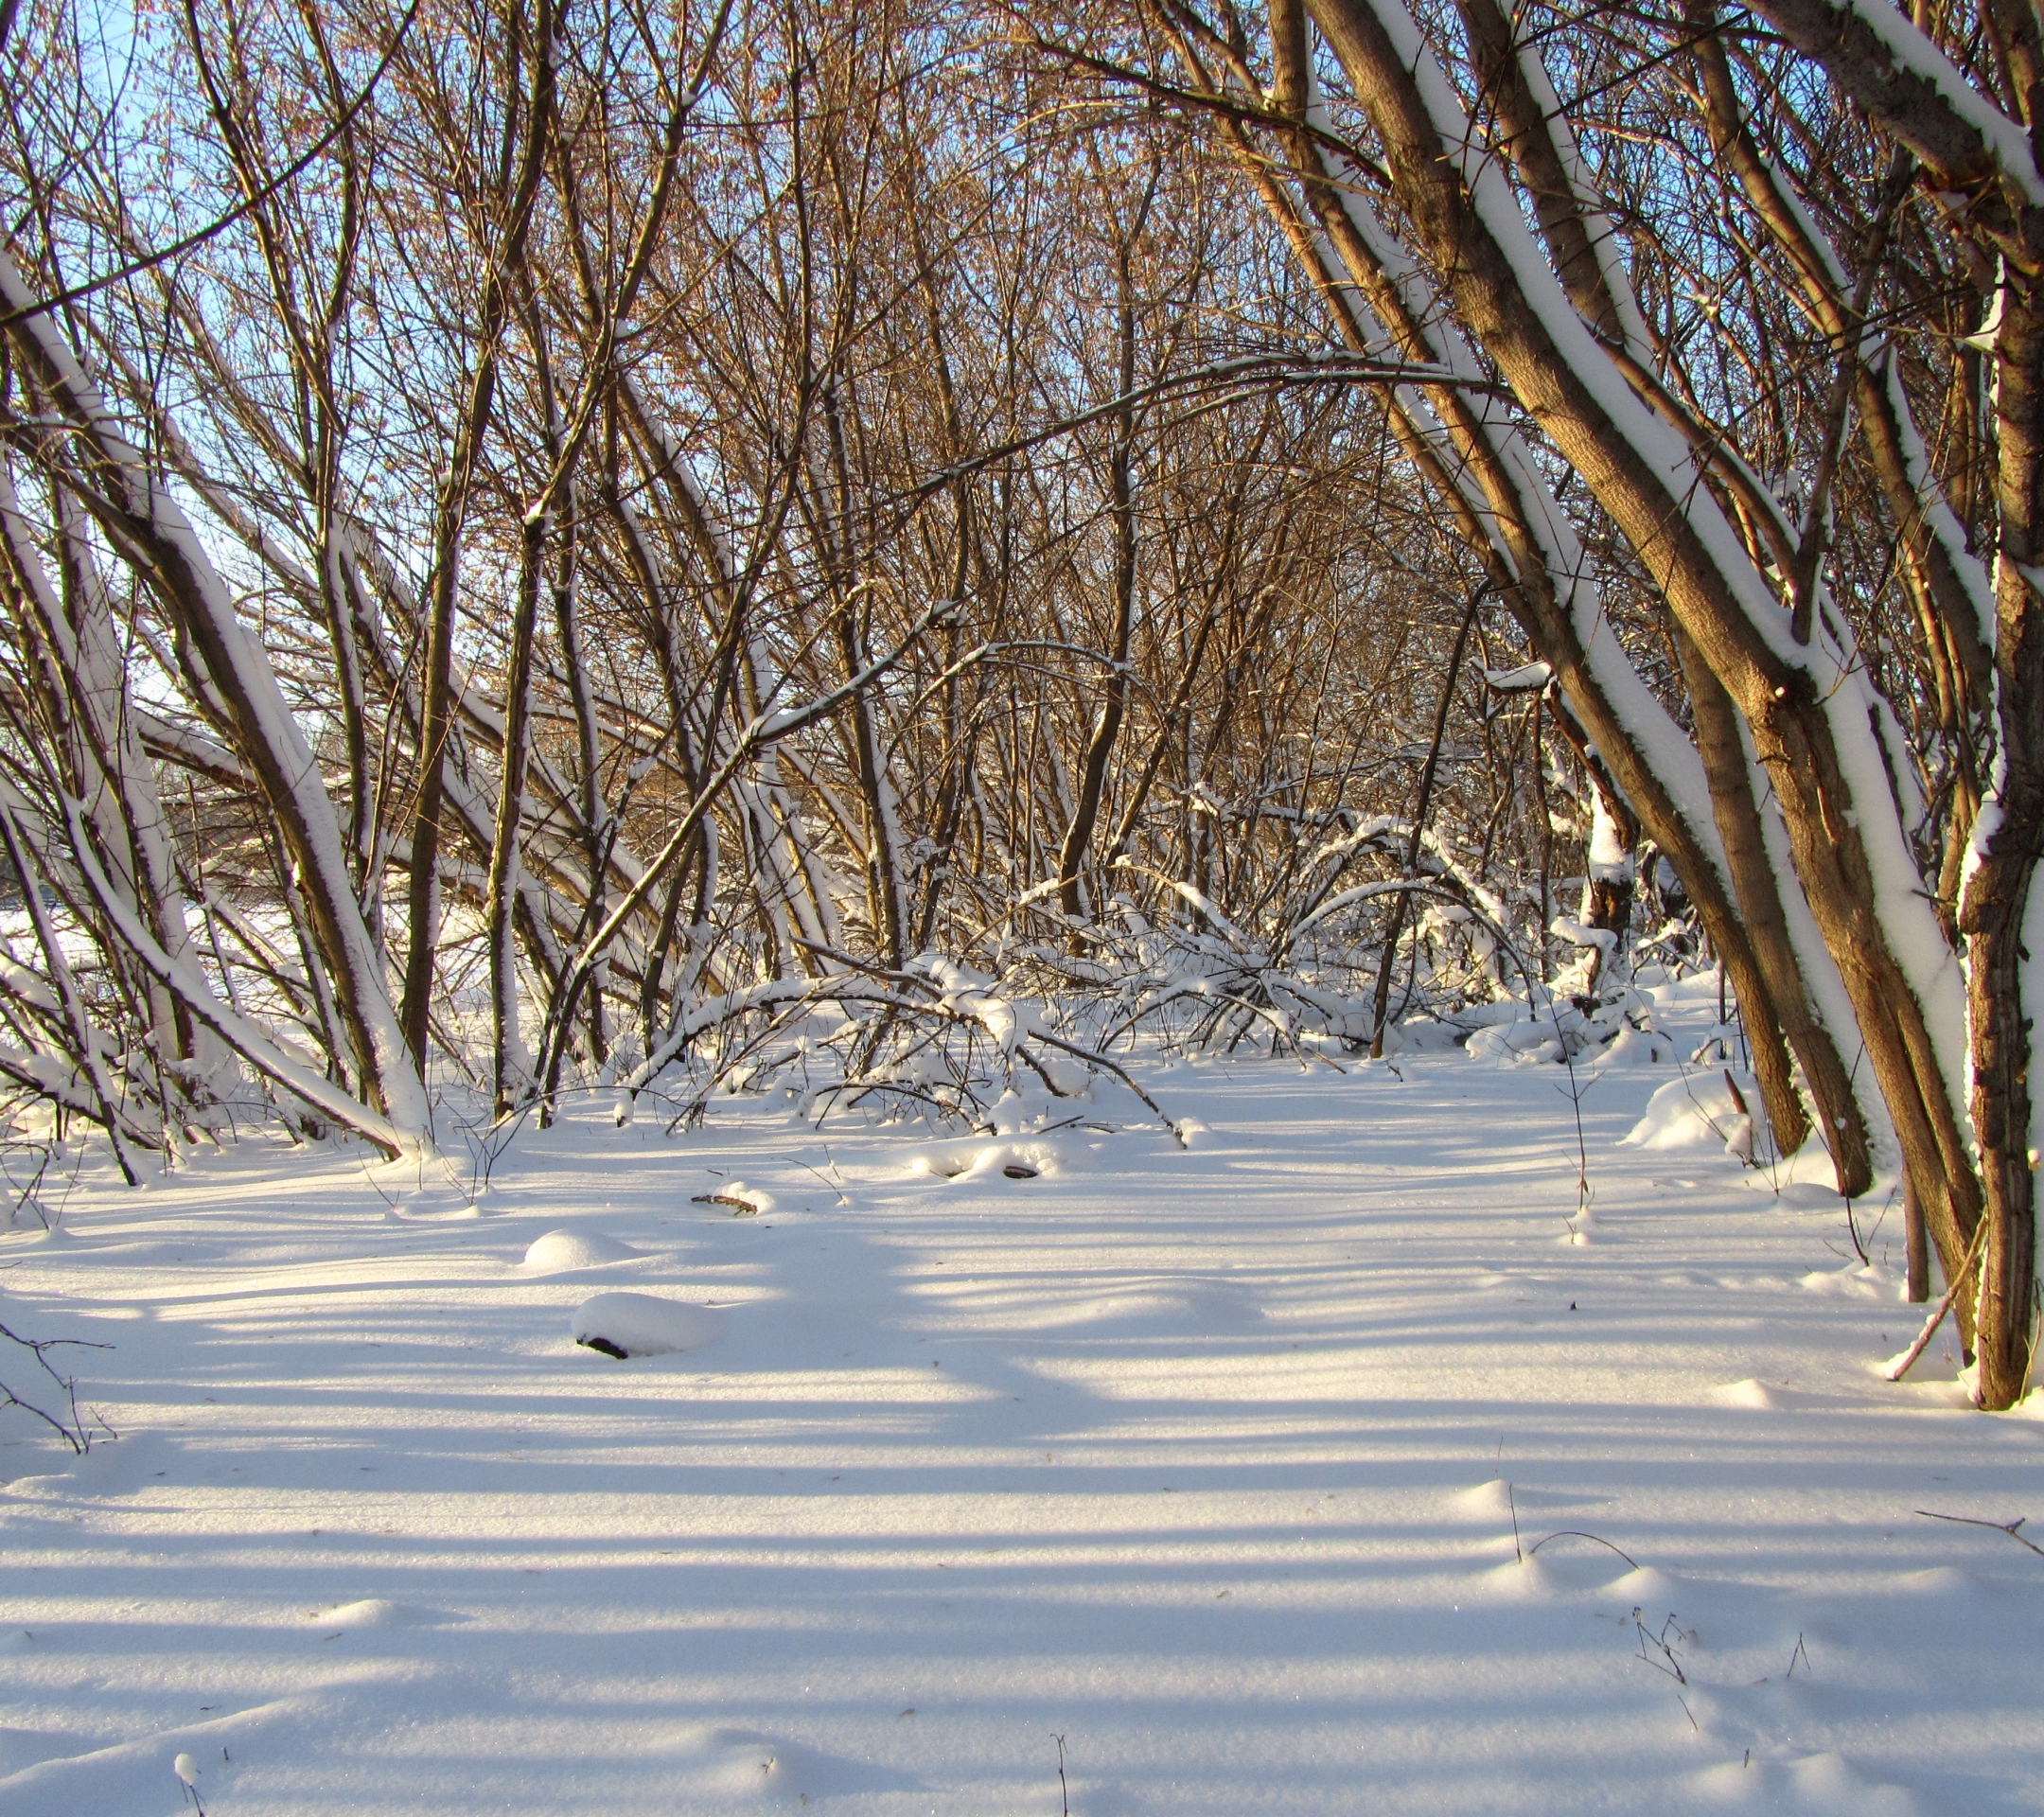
(1808, 708)
(1386, 305)
(142, 520)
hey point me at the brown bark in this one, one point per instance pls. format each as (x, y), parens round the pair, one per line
(1107, 727)
(1992, 911)
(1753, 876)
(1780, 699)
(1509, 545)
(437, 709)
(1998, 207)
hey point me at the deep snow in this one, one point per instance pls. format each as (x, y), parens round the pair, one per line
(1207, 1461)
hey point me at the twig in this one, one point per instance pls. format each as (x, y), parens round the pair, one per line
(1100, 1060)
(1661, 1644)
(1063, 1793)
(807, 1169)
(1570, 1533)
(1944, 1306)
(75, 1433)
(1999, 1526)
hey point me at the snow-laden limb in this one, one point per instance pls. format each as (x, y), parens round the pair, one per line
(1419, 112)
(140, 517)
(308, 1087)
(1580, 933)
(731, 1006)
(1204, 904)
(1342, 902)
(1602, 231)
(1611, 859)
(99, 752)
(1893, 71)
(1942, 527)
(922, 1036)
(1558, 561)
(84, 1046)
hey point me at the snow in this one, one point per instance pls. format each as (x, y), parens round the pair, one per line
(1324, 1460)
(1696, 1109)
(561, 1250)
(1611, 857)
(630, 1325)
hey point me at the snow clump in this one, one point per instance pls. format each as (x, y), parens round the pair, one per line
(561, 1249)
(641, 1325)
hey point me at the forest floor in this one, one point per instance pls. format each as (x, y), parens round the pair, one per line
(1203, 1464)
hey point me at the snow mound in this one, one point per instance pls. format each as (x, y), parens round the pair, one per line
(1185, 1306)
(49, 1237)
(374, 1612)
(740, 1765)
(1531, 1042)
(1493, 1500)
(1946, 1580)
(1872, 1281)
(1632, 1047)
(740, 1200)
(1522, 1580)
(1564, 1569)
(1697, 1111)
(112, 1467)
(641, 1325)
(1749, 1393)
(972, 1162)
(1498, 1500)
(1647, 1588)
(1817, 1783)
(563, 1249)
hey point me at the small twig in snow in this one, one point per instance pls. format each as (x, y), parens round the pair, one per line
(73, 1434)
(1666, 1648)
(1999, 1526)
(807, 1169)
(1570, 1533)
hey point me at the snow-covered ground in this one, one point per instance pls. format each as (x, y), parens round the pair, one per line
(1207, 1462)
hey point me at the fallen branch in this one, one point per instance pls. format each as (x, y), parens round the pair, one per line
(1897, 1370)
